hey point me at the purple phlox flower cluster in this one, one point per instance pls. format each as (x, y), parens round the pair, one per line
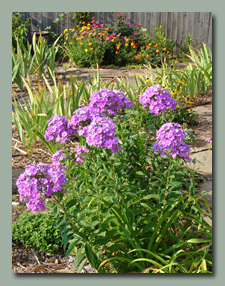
(58, 129)
(209, 140)
(169, 141)
(80, 154)
(57, 159)
(108, 101)
(39, 181)
(57, 156)
(101, 133)
(81, 118)
(158, 99)
(98, 129)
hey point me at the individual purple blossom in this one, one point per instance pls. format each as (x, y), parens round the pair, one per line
(108, 101)
(158, 99)
(209, 140)
(169, 141)
(80, 154)
(58, 129)
(39, 181)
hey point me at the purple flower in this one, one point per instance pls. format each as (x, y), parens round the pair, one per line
(157, 99)
(101, 133)
(108, 101)
(38, 182)
(58, 129)
(80, 154)
(169, 141)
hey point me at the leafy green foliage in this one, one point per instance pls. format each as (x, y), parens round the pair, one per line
(37, 231)
(19, 28)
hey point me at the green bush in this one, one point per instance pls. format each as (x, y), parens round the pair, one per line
(19, 28)
(37, 231)
(118, 44)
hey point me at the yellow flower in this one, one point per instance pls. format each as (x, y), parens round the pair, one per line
(81, 43)
(91, 49)
(190, 102)
(190, 110)
(164, 49)
(90, 44)
(78, 26)
(106, 29)
(127, 40)
(64, 43)
(157, 51)
(83, 23)
(65, 31)
(147, 56)
(132, 43)
(86, 50)
(76, 38)
(178, 105)
(70, 43)
(126, 44)
(72, 30)
(112, 40)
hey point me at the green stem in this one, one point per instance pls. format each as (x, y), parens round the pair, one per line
(69, 218)
(115, 181)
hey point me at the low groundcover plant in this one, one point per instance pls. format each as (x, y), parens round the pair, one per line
(123, 199)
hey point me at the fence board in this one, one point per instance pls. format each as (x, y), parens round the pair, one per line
(153, 24)
(176, 25)
(210, 32)
(179, 28)
(168, 33)
(184, 28)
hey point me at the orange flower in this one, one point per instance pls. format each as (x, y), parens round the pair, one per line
(116, 52)
(91, 49)
(126, 44)
(132, 43)
(150, 44)
(136, 57)
(164, 49)
(81, 43)
(161, 55)
(168, 52)
(118, 46)
(156, 55)
(127, 40)
(159, 43)
(147, 56)
(90, 44)
(143, 55)
(157, 51)
(106, 29)
(156, 45)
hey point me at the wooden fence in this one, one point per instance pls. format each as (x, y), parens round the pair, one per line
(176, 25)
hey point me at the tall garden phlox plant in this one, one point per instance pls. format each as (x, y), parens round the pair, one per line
(121, 196)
